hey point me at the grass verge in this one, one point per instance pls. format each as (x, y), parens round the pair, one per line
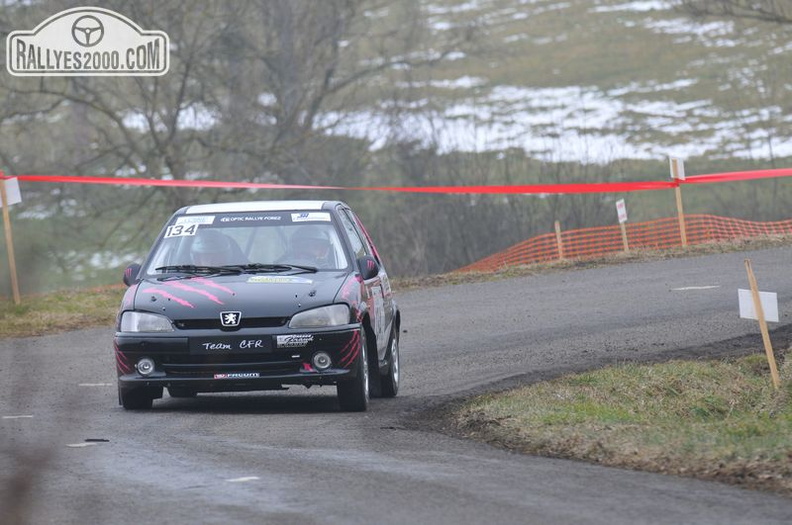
(60, 311)
(714, 420)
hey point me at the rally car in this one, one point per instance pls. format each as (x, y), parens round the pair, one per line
(258, 296)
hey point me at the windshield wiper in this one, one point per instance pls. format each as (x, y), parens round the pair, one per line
(273, 268)
(200, 270)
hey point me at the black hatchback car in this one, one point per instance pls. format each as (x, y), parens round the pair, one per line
(256, 296)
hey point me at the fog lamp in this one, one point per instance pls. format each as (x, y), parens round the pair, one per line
(321, 361)
(145, 366)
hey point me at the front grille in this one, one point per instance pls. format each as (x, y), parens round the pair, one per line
(282, 367)
(197, 368)
(214, 324)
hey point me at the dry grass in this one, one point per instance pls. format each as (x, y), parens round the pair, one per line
(716, 420)
(60, 311)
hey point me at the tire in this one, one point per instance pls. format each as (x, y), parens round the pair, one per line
(135, 399)
(181, 392)
(389, 382)
(353, 395)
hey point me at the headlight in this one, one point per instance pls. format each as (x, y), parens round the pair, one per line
(334, 315)
(145, 322)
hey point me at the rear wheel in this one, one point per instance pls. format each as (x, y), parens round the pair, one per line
(135, 399)
(390, 381)
(353, 395)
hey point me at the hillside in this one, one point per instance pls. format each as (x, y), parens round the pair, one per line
(595, 81)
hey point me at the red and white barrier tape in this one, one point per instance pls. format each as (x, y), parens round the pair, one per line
(596, 187)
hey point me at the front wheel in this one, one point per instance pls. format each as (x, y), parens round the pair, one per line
(353, 395)
(390, 381)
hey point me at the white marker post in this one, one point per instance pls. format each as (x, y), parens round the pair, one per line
(759, 301)
(621, 211)
(9, 194)
(678, 173)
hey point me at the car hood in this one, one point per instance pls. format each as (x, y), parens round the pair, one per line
(255, 295)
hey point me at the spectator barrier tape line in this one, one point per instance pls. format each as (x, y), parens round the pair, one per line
(597, 187)
(588, 242)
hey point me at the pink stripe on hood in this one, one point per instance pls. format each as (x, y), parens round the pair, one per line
(212, 284)
(166, 295)
(188, 288)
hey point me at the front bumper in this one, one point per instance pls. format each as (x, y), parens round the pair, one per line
(208, 361)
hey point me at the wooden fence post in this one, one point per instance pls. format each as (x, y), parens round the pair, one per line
(678, 174)
(559, 241)
(763, 325)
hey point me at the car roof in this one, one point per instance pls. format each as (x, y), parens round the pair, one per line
(254, 206)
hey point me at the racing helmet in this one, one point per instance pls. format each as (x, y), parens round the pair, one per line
(210, 247)
(311, 241)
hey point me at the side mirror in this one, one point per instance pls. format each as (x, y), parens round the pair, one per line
(369, 267)
(131, 274)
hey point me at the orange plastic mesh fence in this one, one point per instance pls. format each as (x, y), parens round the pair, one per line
(655, 235)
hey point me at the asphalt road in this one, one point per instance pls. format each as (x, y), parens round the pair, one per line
(76, 457)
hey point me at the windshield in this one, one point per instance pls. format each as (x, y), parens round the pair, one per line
(248, 242)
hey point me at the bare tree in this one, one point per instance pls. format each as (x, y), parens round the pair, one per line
(255, 91)
(776, 11)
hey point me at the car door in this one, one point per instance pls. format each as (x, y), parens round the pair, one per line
(377, 288)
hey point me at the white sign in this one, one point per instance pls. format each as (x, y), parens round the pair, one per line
(87, 41)
(769, 302)
(13, 195)
(621, 210)
(677, 168)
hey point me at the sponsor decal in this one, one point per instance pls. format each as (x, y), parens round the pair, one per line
(248, 344)
(195, 219)
(87, 41)
(230, 319)
(311, 216)
(294, 340)
(283, 279)
(216, 346)
(251, 218)
(238, 375)
(213, 345)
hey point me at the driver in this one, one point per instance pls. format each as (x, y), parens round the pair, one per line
(310, 246)
(210, 248)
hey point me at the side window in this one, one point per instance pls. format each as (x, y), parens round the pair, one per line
(366, 237)
(358, 245)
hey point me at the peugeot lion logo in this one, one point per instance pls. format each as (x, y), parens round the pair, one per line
(230, 319)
